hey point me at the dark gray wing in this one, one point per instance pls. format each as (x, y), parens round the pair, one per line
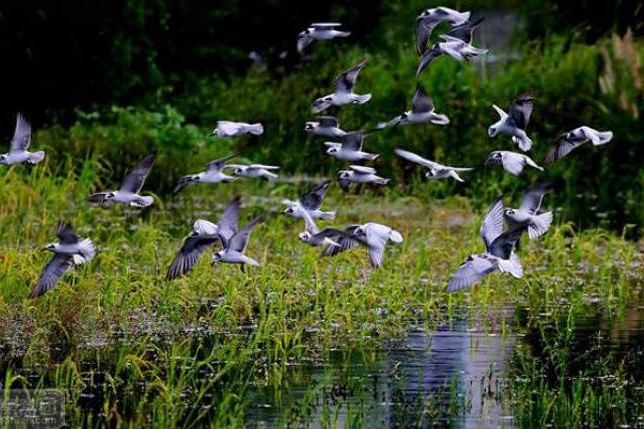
(312, 200)
(228, 221)
(424, 27)
(22, 134)
(470, 272)
(521, 109)
(239, 241)
(218, 164)
(353, 140)
(347, 80)
(192, 248)
(97, 198)
(347, 241)
(327, 121)
(428, 57)
(492, 226)
(421, 102)
(134, 181)
(533, 197)
(561, 149)
(465, 31)
(66, 233)
(503, 245)
(52, 272)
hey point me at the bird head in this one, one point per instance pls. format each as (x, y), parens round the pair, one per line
(304, 236)
(110, 196)
(359, 232)
(305, 32)
(509, 212)
(290, 210)
(238, 171)
(332, 150)
(50, 247)
(321, 104)
(430, 173)
(3, 158)
(217, 256)
(309, 126)
(493, 131)
(344, 174)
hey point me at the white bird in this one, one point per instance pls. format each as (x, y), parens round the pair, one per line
(429, 18)
(573, 139)
(452, 46)
(327, 126)
(433, 170)
(254, 170)
(70, 251)
(234, 248)
(499, 252)
(313, 236)
(232, 129)
(528, 215)
(516, 123)
(212, 174)
(20, 143)
(343, 94)
(360, 174)
(350, 149)
(311, 201)
(130, 188)
(204, 234)
(319, 31)
(512, 162)
(373, 236)
(422, 111)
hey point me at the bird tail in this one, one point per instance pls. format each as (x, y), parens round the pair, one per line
(462, 17)
(183, 183)
(455, 175)
(395, 236)
(146, 201)
(531, 163)
(362, 99)
(512, 266)
(327, 215)
(602, 137)
(86, 251)
(381, 181)
(36, 157)
(524, 142)
(343, 33)
(372, 156)
(270, 176)
(439, 119)
(539, 225)
(256, 129)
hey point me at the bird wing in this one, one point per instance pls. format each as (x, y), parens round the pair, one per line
(424, 27)
(561, 149)
(505, 243)
(325, 24)
(513, 162)
(492, 226)
(417, 159)
(465, 31)
(21, 135)
(228, 221)
(470, 272)
(376, 238)
(533, 197)
(52, 272)
(347, 80)
(218, 164)
(263, 167)
(134, 181)
(521, 109)
(421, 102)
(361, 169)
(66, 233)
(308, 220)
(239, 241)
(303, 41)
(427, 58)
(192, 248)
(327, 121)
(347, 241)
(353, 141)
(312, 200)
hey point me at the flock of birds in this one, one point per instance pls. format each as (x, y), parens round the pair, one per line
(501, 229)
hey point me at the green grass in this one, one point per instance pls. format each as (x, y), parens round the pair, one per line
(191, 350)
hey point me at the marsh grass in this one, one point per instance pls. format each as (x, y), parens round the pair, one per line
(191, 351)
